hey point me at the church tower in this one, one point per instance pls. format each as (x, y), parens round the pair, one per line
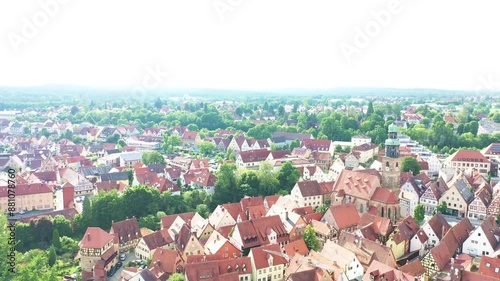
(391, 161)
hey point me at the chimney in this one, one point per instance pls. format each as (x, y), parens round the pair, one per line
(286, 215)
(88, 236)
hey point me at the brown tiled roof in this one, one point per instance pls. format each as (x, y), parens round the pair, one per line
(378, 271)
(357, 183)
(366, 250)
(264, 225)
(406, 229)
(469, 156)
(365, 147)
(438, 223)
(260, 256)
(208, 271)
(309, 188)
(271, 199)
(166, 262)
(157, 239)
(490, 227)
(27, 189)
(345, 215)
(257, 155)
(189, 135)
(167, 221)
(378, 225)
(414, 268)
(298, 246)
(302, 211)
(488, 266)
(95, 237)
(280, 153)
(126, 230)
(316, 144)
(384, 195)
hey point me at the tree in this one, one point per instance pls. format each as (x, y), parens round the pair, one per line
(369, 111)
(442, 208)
(153, 157)
(203, 210)
(322, 209)
(207, 148)
(177, 277)
(193, 127)
(63, 226)
(410, 164)
(170, 142)
(226, 188)
(56, 239)
(268, 185)
(310, 238)
(130, 173)
(52, 256)
(295, 143)
(419, 213)
(288, 176)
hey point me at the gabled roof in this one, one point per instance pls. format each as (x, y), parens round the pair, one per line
(296, 247)
(345, 215)
(439, 225)
(377, 225)
(166, 262)
(261, 257)
(256, 155)
(167, 221)
(406, 229)
(309, 188)
(414, 268)
(384, 195)
(469, 156)
(357, 183)
(378, 271)
(126, 230)
(366, 250)
(157, 239)
(95, 238)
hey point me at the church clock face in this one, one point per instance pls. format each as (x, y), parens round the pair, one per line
(387, 169)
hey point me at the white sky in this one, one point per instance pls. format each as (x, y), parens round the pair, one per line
(447, 44)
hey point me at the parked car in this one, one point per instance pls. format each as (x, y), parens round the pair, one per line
(119, 264)
(123, 257)
(112, 271)
(22, 212)
(144, 266)
(137, 262)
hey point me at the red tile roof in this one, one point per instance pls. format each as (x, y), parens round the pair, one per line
(489, 267)
(469, 156)
(315, 144)
(257, 155)
(27, 189)
(126, 230)
(167, 221)
(384, 195)
(95, 238)
(260, 256)
(414, 268)
(296, 247)
(357, 183)
(345, 215)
